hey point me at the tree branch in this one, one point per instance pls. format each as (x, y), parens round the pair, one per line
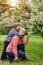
(6, 6)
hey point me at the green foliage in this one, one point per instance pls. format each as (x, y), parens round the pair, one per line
(34, 51)
(28, 13)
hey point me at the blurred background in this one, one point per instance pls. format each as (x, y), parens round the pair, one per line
(28, 12)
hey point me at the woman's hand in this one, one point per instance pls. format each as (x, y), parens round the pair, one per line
(16, 58)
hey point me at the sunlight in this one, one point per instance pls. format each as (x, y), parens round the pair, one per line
(12, 2)
(30, 0)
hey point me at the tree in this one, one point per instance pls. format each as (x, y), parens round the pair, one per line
(28, 13)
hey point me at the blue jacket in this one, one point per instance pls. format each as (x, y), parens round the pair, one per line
(11, 34)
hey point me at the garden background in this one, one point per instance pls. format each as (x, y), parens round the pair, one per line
(29, 13)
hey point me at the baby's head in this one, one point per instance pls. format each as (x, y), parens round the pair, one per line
(22, 31)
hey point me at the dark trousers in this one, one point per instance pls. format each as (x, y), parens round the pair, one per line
(3, 56)
(19, 47)
(21, 55)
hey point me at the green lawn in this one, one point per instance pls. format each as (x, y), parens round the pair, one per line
(34, 51)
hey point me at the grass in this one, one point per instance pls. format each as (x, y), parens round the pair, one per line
(34, 51)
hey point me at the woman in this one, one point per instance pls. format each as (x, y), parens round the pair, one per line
(12, 51)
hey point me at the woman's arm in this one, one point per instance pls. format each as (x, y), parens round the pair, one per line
(25, 41)
(15, 43)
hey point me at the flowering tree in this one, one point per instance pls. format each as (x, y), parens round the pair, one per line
(27, 12)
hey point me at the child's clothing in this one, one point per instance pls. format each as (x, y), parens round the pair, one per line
(11, 34)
